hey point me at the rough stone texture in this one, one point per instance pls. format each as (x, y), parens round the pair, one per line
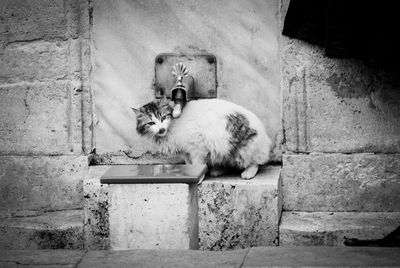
(247, 67)
(336, 105)
(40, 258)
(321, 257)
(41, 183)
(29, 20)
(40, 60)
(87, 62)
(163, 258)
(96, 221)
(341, 182)
(52, 230)
(254, 257)
(235, 213)
(153, 216)
(330, 228)
(40, 118)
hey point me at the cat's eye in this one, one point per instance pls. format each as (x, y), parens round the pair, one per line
(151, 123)
(165, 117)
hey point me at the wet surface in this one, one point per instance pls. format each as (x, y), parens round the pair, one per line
(154, 174)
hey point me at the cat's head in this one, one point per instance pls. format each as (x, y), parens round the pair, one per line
(154, 118)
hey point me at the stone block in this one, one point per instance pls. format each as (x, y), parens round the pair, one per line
(52, 230)
(40, 60)
(331, 228)
(341, 182)
(40, 118)
(31, 20)
(31, 183)
(236, 213)
(96, 220)
(337, 105)
(153, 216)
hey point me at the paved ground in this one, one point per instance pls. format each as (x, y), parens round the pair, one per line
(255, 257)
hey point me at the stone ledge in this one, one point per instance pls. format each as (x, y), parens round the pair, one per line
(321, 257)
(233, 213)
(330, 228)
(236, 213)
(341, 182)
(51, 230)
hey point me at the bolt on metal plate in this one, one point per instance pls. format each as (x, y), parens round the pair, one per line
(202, 67)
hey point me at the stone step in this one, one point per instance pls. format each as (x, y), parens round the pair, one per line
(232, 213)
(50, 230)
(341, 182)
(331, 228)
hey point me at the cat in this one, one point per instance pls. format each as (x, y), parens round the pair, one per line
(391, 240)
(215, 132)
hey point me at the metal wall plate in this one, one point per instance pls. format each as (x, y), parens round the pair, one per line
(202, 67)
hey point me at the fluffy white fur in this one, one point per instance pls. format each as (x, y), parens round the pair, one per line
(200, 133)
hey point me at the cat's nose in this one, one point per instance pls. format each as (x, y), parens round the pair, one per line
(161, 130)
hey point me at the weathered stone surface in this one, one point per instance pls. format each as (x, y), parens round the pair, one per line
(151, 216)
(163, 258)
(96, 221)
(40, 60)
(254, 257)
(41, 183)
(40, 118)
(321, 257)
(331, 228)
(52, 230)
(341, 182)
(31, 20)
(39, 258)
(125, 56)
(336, 105)
(235, 213)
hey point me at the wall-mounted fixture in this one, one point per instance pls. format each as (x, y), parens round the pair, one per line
(185, 77)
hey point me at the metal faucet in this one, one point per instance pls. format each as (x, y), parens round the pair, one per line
(182, 89)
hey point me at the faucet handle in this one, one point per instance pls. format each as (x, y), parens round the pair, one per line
(179, 70)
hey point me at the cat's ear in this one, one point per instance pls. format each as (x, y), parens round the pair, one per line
(136, 111)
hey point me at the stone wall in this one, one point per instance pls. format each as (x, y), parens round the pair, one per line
(45, 126)
(341, 121)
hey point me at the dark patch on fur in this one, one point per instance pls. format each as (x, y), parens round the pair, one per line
(241, 132)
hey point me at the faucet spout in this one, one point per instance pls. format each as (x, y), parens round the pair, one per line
(183, 86)
(179, 98)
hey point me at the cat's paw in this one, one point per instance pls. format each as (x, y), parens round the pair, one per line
(250, 172)
(215, 172)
